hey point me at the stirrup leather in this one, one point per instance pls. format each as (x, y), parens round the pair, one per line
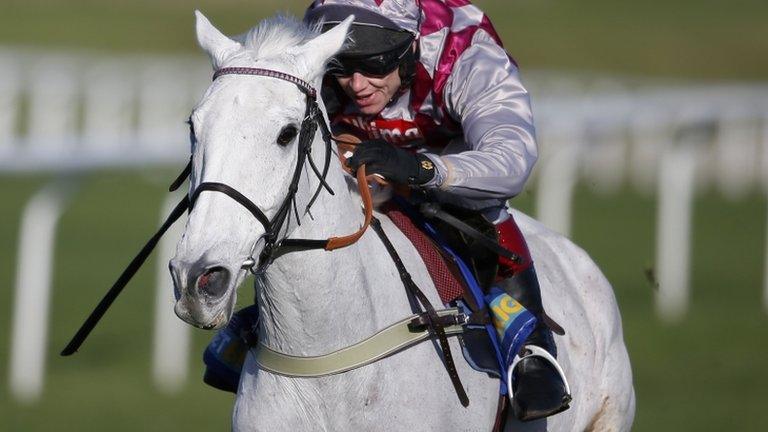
(536, 351)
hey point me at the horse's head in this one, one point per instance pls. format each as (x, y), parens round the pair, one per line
(245, 136)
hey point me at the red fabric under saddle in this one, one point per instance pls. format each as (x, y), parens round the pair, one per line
(448, 283)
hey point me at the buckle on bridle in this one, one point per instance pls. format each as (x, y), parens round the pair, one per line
(249, 263)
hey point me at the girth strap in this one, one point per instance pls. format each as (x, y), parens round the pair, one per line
(390, 340)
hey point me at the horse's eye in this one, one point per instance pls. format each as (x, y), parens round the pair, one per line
(287, 135)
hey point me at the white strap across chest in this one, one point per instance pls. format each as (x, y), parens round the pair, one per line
(386, 342)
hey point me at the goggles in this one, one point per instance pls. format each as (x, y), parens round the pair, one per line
(371, 65)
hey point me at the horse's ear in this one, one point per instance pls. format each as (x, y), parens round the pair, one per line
(212, 41)
(319, 50)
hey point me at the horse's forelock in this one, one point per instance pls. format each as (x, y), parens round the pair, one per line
(273, 36)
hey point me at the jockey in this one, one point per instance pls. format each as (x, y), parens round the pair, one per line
(438, 105)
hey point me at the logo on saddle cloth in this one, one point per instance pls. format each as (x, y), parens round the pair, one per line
(403, 133)
(513, 322)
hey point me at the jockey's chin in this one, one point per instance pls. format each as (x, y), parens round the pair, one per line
(371, 93)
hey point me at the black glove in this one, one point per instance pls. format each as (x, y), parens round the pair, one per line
(395, 164)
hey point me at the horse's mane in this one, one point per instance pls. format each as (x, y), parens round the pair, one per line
(274, 36)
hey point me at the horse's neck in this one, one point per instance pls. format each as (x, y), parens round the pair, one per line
(316, 301)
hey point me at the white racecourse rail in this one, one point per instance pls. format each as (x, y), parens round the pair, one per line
(69, 113)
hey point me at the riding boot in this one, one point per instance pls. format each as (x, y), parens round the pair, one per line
(537, 384)
(225, 354)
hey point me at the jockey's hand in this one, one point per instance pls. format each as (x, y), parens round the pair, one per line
(394, 164)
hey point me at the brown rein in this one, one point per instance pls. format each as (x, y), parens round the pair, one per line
(365, 194)
(347, 142)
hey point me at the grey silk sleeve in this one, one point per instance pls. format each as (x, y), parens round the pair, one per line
(485, 95)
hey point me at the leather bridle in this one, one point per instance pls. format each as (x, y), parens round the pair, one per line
(273, 244)
(313, 118)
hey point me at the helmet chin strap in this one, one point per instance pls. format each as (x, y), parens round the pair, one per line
(249, 263)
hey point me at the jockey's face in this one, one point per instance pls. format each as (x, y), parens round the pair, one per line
(371, 93)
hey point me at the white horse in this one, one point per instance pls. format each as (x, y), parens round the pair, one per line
(316, 302)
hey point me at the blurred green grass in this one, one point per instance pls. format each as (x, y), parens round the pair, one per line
(107, 385)
(725, 39)
(690, 376)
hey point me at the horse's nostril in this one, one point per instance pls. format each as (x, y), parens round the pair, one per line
(214, 281)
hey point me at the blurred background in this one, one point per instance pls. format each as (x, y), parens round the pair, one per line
(653, 127)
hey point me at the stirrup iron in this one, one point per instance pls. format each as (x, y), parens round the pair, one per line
(536, 351)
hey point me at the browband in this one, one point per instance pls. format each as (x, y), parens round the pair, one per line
(305, 86)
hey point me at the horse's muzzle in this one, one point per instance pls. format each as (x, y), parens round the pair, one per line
(203, 293)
